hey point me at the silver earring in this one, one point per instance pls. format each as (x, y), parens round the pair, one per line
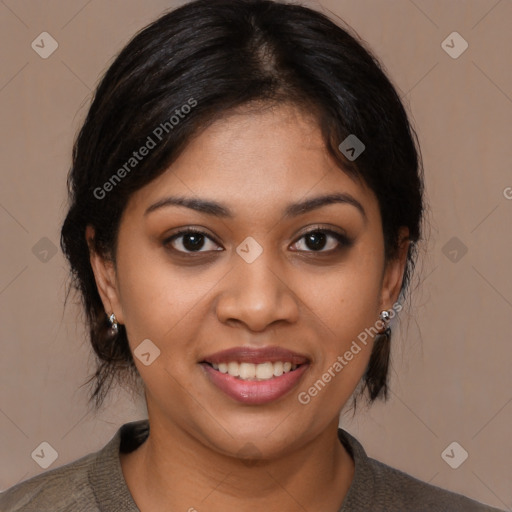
(385, 316)
(113, 322)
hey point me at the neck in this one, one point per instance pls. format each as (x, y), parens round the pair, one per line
(172, 470)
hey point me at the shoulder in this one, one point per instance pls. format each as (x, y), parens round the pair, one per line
(408, 493)
(65, 488)
(93, 483)
(382, 488)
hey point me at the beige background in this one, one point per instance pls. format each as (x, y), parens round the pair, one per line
(451, 378)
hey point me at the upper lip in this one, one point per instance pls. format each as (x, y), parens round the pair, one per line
(256, 355)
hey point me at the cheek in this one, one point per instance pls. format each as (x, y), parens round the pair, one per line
(346, 300)
(344, 305)
(157, 298)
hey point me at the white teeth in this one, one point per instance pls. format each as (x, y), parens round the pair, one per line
(250, 371)
(247, 371)
(233, 369)
(278, 368)
(264, 370)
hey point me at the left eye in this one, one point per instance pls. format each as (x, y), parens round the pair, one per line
(318, 237)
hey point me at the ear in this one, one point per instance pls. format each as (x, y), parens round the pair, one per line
(394, 272)
(106, 279)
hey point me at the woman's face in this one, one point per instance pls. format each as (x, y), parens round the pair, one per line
(256, 280)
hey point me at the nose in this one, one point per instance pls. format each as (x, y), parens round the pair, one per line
(257, 295)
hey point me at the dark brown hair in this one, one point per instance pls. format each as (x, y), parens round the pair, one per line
(224, 54)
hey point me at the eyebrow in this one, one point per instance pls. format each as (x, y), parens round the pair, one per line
(293, 210)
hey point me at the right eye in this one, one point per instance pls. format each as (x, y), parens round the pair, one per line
(192, 241)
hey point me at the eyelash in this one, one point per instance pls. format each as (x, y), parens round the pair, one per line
(344, 241)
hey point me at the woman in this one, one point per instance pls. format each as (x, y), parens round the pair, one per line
(246, 195)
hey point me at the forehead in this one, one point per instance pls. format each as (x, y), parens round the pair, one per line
(256, 158)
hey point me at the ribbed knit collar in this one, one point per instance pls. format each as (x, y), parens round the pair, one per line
(112, 493)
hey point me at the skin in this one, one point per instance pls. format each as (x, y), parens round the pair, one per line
(293, 295)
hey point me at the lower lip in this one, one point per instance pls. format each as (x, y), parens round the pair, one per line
(255, 392)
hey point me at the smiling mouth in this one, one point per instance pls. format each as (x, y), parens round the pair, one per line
(254, 372)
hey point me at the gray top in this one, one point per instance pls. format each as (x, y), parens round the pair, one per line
(95, 483)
